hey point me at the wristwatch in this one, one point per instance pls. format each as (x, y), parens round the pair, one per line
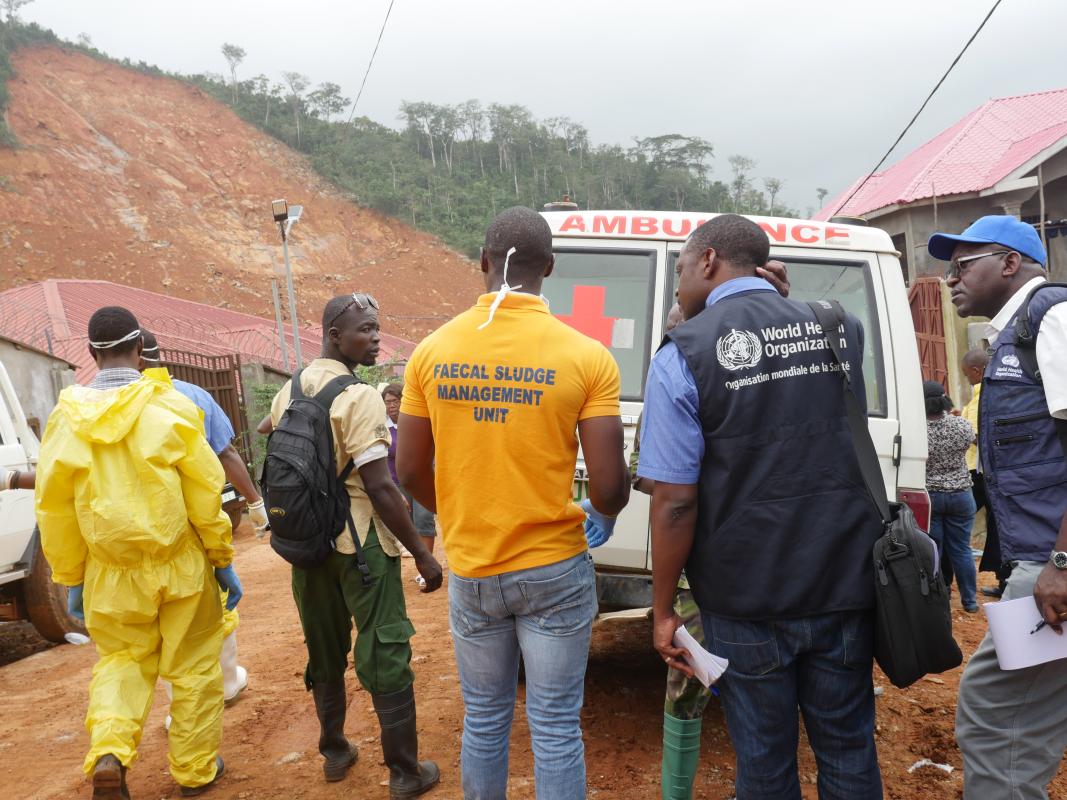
(1059, 559)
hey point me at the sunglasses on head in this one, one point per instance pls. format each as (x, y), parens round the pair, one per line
(360, 300)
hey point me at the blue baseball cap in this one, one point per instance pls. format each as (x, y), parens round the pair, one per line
(1002, 229)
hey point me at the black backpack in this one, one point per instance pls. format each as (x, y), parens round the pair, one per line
(307, 502)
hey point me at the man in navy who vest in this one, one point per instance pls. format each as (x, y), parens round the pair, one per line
(758, 494)
(1011, 726)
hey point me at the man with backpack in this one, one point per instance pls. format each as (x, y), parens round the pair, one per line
(329, 453)
(1011, 725)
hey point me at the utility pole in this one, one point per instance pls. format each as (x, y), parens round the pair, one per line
(286, 216)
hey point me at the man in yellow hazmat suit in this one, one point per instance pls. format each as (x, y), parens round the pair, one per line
(129, 508)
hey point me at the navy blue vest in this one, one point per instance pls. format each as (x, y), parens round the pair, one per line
(785, 525)
(1024, 465)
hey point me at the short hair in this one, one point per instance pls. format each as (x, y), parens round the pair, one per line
(111, 324)
(975, 357)
(526, 231)
(150, 351)
(735, 239)
(935, 405)
(395, 389)
(337, 306)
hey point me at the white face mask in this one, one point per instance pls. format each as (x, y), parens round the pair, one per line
(502, 292)
(108, 345)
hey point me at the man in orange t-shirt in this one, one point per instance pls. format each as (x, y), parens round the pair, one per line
(495, 396)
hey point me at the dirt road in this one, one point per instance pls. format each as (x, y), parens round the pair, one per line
(271, 732)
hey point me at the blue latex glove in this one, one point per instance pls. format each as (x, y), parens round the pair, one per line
(76, 602)
(228, 580)
(598, 527)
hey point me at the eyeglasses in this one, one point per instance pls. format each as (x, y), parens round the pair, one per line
(360, 300)
(957, 266)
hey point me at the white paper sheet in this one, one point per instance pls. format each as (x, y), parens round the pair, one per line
(1010, 623)
(707, 666)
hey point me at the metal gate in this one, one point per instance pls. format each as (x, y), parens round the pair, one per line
(219, 376)
(928, 318)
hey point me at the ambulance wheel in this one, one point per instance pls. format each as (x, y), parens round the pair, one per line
(46, 602)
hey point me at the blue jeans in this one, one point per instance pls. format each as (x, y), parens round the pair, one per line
(951, 519)
(546, 613)
(821, 664)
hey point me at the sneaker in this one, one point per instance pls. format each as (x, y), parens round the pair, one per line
(971, 609)
(193, 791)
(992, 591)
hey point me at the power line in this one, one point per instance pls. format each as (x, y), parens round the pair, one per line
(370, 63)
(917, 113)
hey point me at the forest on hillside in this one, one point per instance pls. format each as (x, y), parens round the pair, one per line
(448, 169)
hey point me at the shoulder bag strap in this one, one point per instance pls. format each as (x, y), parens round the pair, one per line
(831, 317)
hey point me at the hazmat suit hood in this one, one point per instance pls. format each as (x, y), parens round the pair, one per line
(105, 416)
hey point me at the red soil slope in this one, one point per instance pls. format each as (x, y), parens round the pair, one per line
(150, 182)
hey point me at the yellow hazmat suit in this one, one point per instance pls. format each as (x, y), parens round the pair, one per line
(128, 503)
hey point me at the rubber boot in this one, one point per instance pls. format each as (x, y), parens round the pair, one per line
(681, 752)
(408, 777)
(331, 703)
(234, 676)
(109, 779)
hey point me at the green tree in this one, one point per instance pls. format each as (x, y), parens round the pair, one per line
(327, 100)
(773, 187)
(234, 55)
(297, 83)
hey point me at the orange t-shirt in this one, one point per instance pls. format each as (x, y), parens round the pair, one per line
(504, 403)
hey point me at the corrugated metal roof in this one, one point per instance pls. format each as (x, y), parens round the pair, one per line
(981, 149)
(53, 316)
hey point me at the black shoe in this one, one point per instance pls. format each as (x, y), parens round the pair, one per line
(193, 791)
(109, 779)
(331, 705)
(992, 592)
(408, 777)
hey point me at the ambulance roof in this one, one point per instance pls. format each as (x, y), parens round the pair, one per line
(677, 225)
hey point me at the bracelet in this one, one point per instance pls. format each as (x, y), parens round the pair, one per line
(13, 479)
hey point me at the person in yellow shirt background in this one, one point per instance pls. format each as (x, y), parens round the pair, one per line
(130, 513)
(495, 395)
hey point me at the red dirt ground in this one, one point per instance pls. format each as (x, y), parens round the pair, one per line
(271, 732)
(149, 182)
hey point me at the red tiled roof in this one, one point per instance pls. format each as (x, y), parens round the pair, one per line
(981, 149)
(54, 316)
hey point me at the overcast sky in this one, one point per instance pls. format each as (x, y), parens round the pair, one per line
(815, 91)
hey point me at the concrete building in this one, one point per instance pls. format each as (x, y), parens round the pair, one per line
(1008, 156)
(38, 378)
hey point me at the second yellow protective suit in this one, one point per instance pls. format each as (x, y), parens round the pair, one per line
(128, 503)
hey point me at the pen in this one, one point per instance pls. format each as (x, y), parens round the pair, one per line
(1038, 627)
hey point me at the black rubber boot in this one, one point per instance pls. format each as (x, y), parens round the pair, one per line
(331, 703)
(408, 777)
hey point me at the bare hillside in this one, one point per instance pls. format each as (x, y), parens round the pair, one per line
(148, 181)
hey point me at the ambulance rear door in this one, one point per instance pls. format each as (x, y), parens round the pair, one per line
(612, 291)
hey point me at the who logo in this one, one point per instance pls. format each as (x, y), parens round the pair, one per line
(738, 350)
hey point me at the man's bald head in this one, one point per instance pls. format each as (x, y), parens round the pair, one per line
(526, 231)
(973, 364)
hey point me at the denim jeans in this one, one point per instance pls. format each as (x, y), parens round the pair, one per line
(821, 664)
(546, 613)
(951, 519)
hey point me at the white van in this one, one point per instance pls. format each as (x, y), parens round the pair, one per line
(26, 587)
(615, 279)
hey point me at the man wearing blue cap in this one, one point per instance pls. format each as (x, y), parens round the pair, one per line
(1011, 726)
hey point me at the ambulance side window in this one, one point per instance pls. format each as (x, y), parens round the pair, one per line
(848, 282)
(607, 295)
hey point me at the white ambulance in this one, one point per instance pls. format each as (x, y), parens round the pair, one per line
(615, 281)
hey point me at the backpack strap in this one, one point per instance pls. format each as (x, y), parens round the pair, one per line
(296, 391)
(325, 397)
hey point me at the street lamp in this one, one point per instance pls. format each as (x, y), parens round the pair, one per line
(286, 216)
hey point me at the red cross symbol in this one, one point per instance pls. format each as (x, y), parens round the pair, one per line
(587, 314)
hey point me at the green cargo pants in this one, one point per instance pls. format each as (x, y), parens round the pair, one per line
(330, 595)
(686, 697)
